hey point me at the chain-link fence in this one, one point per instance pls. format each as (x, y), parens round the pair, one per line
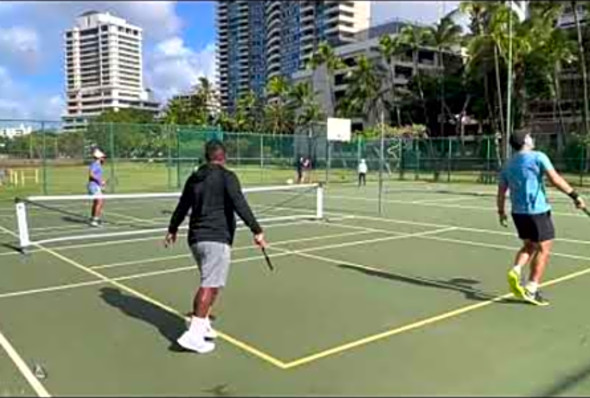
(40, 157)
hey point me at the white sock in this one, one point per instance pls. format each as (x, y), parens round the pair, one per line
(532, 287)
(198, 325)
(517, 268)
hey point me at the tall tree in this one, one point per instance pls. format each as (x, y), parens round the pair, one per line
(583, 70)
(413, 38)
(444, 36)
(325, 58)
(390, 47)
(279, 116)
(365, 93)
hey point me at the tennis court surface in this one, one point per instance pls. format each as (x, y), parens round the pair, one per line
(411, 302)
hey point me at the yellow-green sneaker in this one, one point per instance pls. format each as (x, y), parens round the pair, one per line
(514, 283)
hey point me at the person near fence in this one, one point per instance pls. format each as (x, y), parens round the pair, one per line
(212, 194)
(306, 170)
(362, 171)
(96, 183)
(522, 176)
(299, 167)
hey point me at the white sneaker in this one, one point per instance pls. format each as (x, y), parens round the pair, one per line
(198, 344)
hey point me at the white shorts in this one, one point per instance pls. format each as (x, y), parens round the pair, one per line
(94, 189)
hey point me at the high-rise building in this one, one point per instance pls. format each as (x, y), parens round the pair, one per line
(103, 68)
(258, 40)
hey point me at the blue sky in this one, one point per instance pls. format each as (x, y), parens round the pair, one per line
(179, 45)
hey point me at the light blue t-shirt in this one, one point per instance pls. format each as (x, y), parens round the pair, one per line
(96, 171)
(523, 175)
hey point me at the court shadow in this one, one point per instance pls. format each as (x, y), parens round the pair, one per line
(563, 386)
(76, 220)
(11, 246)
(462, 285)
(169, 325)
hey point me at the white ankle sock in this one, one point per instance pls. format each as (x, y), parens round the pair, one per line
(517, 268)
(532, 287)
(198, 325)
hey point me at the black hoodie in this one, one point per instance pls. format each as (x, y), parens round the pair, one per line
(213, 194)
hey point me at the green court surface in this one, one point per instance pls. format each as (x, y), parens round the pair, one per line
(410, 302)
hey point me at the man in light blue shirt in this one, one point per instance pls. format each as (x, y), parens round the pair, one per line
(95, 185)
(523, 177)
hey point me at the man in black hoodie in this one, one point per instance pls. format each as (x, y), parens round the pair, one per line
(213, 194)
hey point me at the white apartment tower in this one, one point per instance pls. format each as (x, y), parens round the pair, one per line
(103, 68)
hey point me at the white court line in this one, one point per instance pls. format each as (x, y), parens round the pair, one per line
(292, 252)
(257, 257)
(158, 237)
(282, 242)
(443, 200)
(23, 368)
(469, 242)
(485, 231)
(406, 202)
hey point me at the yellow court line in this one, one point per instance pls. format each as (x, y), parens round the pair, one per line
(423, 322)
(22, 366)
(232, 340)
(420, 323)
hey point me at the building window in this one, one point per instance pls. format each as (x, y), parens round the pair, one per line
(89, 32)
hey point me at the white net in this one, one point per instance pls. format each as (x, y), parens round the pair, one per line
(49, 219)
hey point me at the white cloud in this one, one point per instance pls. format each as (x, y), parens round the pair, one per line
(426, 12)
(173, 67)
(16, 101)
(19, 46)
(158, 18)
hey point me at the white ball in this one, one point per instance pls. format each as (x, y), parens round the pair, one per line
(290, 181)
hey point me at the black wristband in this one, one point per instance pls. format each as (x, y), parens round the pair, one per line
(574, 195)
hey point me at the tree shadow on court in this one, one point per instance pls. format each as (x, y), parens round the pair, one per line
(564, 385)
(169, 325)
(463, 285)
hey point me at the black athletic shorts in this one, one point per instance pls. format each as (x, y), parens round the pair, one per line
(534, 227)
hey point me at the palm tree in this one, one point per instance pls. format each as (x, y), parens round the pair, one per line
(555, 49)
(413, 38)
(389, 47)
(302, 101)
(325, 57)
(279, 116)
(246, 113)
(582, 61)
(365, 94)
(444, 36)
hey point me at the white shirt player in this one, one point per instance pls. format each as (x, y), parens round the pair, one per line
(362, 169)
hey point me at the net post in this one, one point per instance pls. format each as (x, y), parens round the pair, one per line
(44, 159)
(112, 184)
(23, 228)
(320, 201)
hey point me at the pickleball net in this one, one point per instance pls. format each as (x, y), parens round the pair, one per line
(65, 218)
